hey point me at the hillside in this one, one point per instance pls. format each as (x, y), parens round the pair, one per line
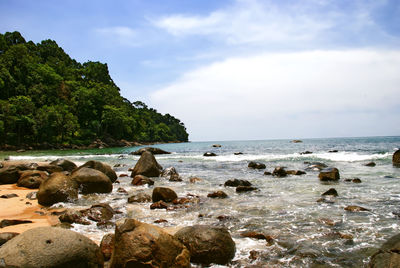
(46, 97)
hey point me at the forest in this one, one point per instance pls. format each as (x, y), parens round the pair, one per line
(48, 97)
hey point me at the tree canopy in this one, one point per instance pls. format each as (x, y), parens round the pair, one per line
(46, 96)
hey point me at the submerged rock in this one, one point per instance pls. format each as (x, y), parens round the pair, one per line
(388, 255)
(217, 194)
(241, 189)
(147, 165)
(207, 244)
(329, 174)
(295, 172)
(370, 164)
(355, 209)
(51, 247)
(140, 244)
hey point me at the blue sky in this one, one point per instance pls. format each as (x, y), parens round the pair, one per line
(244, 69)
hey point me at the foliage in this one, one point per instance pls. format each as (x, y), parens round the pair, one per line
(45, 96)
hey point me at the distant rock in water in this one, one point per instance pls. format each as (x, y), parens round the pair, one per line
(355, 209)
(238, 153)
(333, 151)
(296, 141)
(209, 154)
(329, 174)
(331, 191)
(152, 150)
(236, 183)
(370, 164)
(388, 254)
(315, 166)
(306, 152)
(279, 172)
(217, 145)
(396, 158)
(256, 165)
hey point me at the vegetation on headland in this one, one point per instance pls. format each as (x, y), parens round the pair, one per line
(46, 97)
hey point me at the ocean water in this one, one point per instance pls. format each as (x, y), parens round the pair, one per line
(305, 233)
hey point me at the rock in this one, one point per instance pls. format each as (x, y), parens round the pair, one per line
(51, 247)
(141, 180)
(152, 150)
(207, 244)
(217, 145)
(306, 152)
(267, 173)
(32, 178)
(355, 209)
(175, 177)
(168, 172)
(122, 190)
(241, 189)
(331, 191)
(279, 172)
(396, 158)
(159, 205)
(107, 245)
(50, 168)
(100, 212)
(356, 180)
(256, 165)
(217, 194)
(207, 154)
(259, 236)
(164, 194)
(236, 183)
(91, 181)
(73, 216)
(295, 172)
(387, 255)
(140, 197)
(139, 244)
(65, 164)
(194, 180)
(31, 195)
(297, 141)
(147, 165)
(329, 174)
(370, 164)
(5, 222)
(9, 175)
(332, 151)
(57, 188)
(106, 169)
(7, 196)
(160, 221)
(238, 153)
(4, 237)
(315, 166)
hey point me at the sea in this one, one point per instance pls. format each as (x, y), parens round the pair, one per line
(302, 230)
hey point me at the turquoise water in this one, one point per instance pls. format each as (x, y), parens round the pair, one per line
(305, 232)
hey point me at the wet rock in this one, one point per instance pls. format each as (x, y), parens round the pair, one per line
(279, 172)
(100, 212)
(217, 194)
(122, 191)
(396, 158)
(57, 188)
(4, 237)
(65, 164)
(139, 244)
(297, 141)
(194, 180)
(7, 196)
(31, 196)
(159, 205)
(207, 244)
(152, 150)
(217, 145)
(92, 181)
(295, 172)
(355, 209)
(388, 255)
(329, 222)
(306, 152)
(102, 167)
(328, 199)
(331, 191)
(5, 222)
(9, 175)
(225, 218)
(168, 172)
(338, 235)
(259, 236)
(329, 174)
(160, 221)
(356, 180)
(32, 179)
(256, 165)
(141, 180)
(147, 165)
(73, 216)
(123, 175)
(107, 245)
(175, 177)
(241, 189)
(51, 247)
(315, 166)
(236, 183)
(370, 164)
(164, 194)
(140, 197)
(209, 154)
(50, 168)
(267, 173)
(332, 151)
(238, 153)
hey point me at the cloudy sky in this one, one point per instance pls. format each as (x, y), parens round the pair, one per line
(238, 69)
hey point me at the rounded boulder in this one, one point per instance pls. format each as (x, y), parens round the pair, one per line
(207, 244)
(57, 188)
(396, 158)
(106, 169)
(32, 179)
(147, 165)
(64, 164)
(92, 181)
(329, 174)
(51, 247)
(163, 194)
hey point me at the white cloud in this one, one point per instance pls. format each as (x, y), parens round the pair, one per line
(121, 34)
(315, 93)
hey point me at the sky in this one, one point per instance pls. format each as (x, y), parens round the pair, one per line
(238, 69)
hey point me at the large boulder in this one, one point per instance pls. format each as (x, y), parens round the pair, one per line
(32, 179)
(57, 188)
(151, 150)
(64, 164)
(106, 169)
(388, 255)
(147, 165)
(50, 247)
(139, 244)
(396, 158)
(92, 181)
(9, 175)
(163, 194)
(329, 174)
(207, 244)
